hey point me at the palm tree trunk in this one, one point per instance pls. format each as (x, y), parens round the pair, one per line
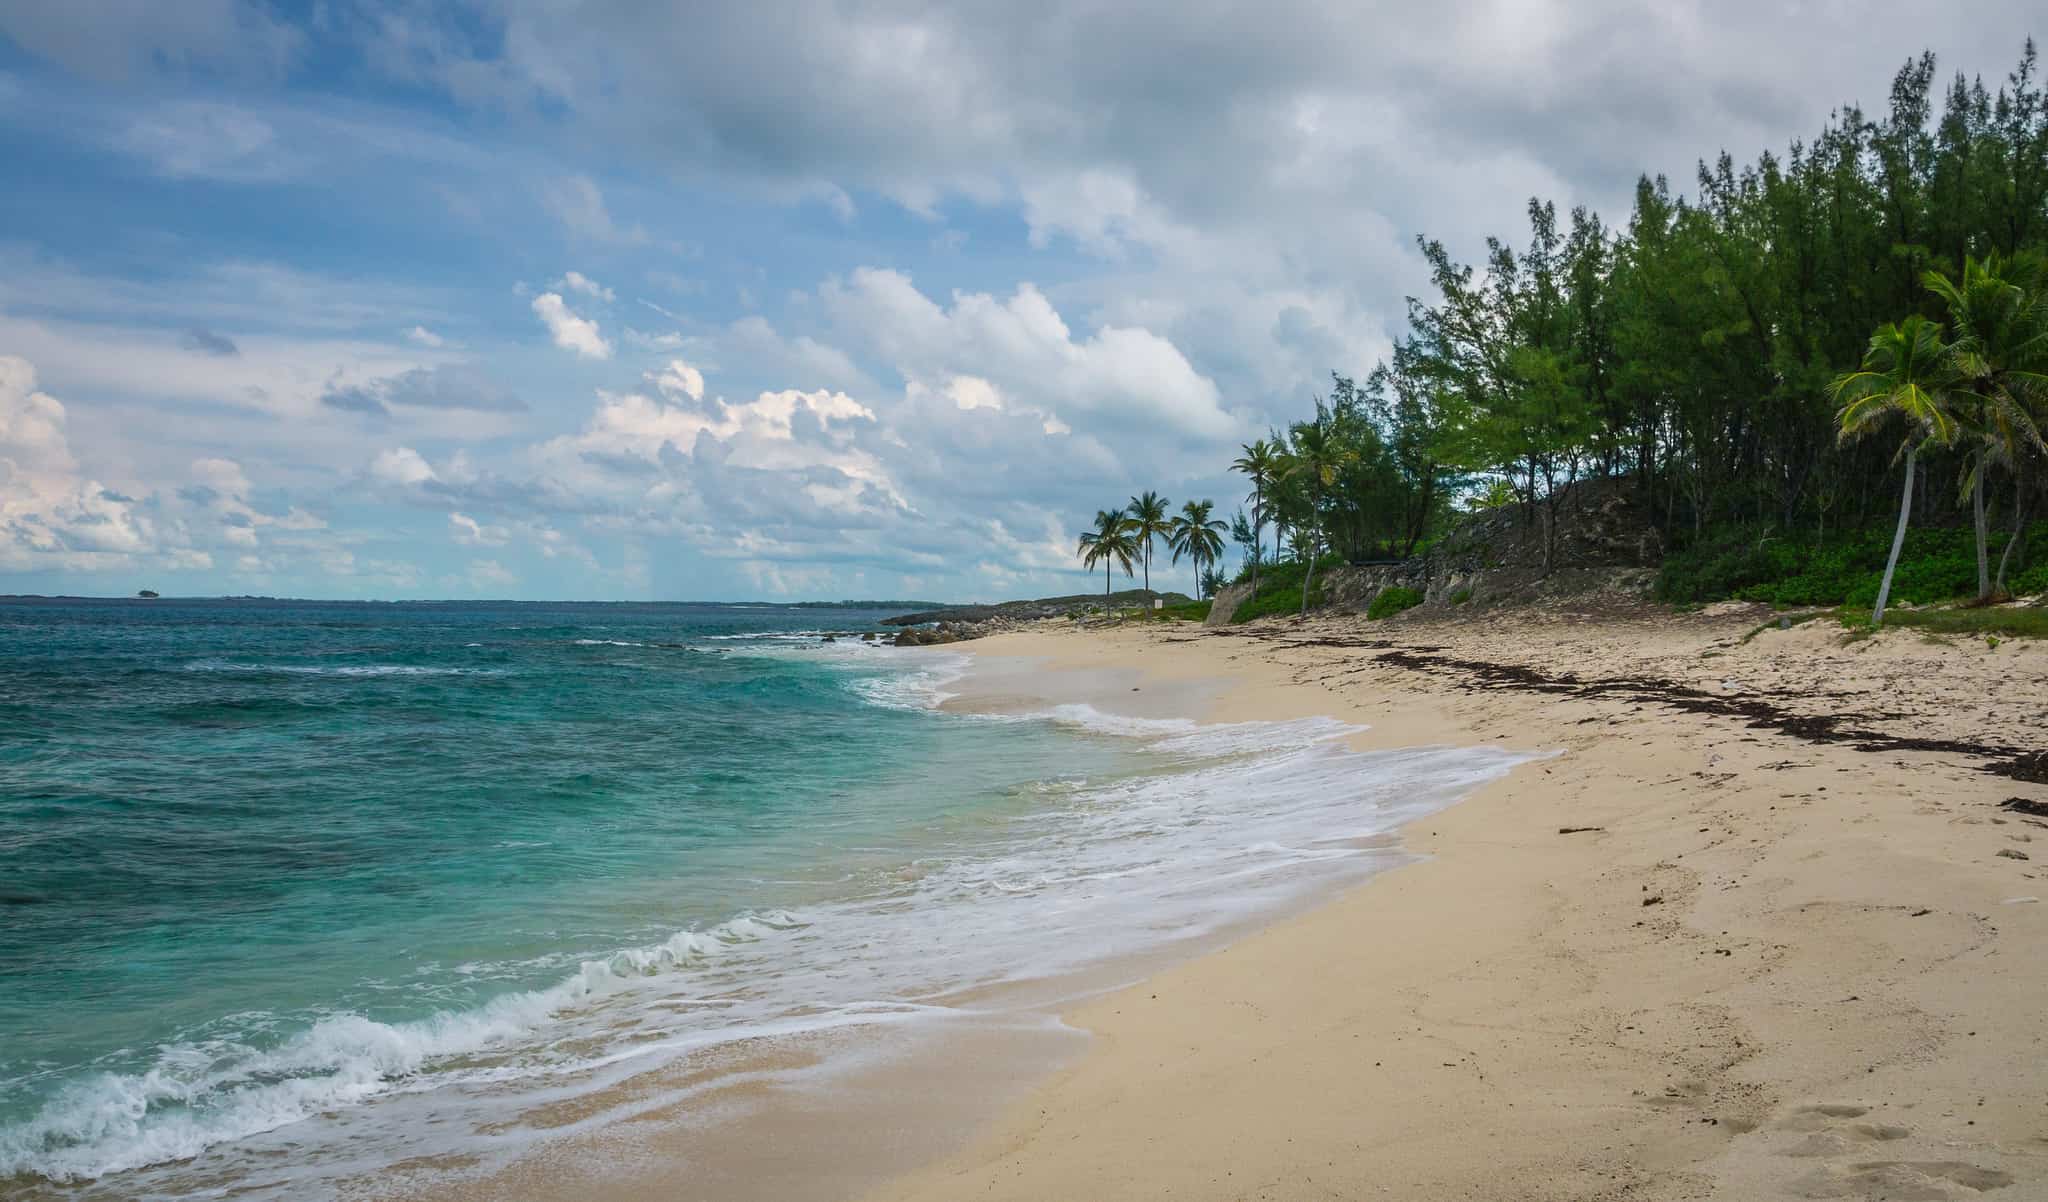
(2019, 535)
(1258, 535)
(1884, 588)
(1983, 533)
(1309, 578)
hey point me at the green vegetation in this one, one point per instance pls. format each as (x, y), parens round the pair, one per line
(1198, 536)
(1461, 596)
(1193, 611)
(1279, 592)
(1989, 622)
(1713, 357)
(1148, 524)
(1114, 541)
(1391, 601)
(1935, 565)
(1124, 538)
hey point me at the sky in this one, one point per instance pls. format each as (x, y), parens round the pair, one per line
(605, 300)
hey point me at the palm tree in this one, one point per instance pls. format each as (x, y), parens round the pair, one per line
(1111, 542)
(1317, 456)
(2000, 354)
(1148, 522)
(1199, 537)
(1261, 465)
(1907, 369)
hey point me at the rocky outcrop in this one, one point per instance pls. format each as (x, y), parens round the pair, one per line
(1605, 543)
(949, 632)
(1043, 607)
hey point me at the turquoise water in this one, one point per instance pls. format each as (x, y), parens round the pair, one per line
(269, 870)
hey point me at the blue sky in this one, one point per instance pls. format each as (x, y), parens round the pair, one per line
(608, 300)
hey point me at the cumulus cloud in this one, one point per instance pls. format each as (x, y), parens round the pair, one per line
(570, 332)
(679, 379)
(402, 466)
(55, 515)
(983, 347)
(1217, 211)
(48, 510)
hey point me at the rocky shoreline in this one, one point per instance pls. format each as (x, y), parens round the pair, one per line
(960, 623)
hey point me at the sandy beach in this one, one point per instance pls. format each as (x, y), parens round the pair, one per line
(1753, 920)
(1761, 928)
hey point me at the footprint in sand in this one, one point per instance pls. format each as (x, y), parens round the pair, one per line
(1830, 1134)
(1904, 1181)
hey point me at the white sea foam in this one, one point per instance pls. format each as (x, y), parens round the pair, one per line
(918, 684)
(1229, 823)
(607, 643)
(339, 669)
(198, 1095)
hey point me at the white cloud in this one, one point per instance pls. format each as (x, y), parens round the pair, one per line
(982, 349)
(576, 281)
(569, 331)
(472, 533)
(54, 515)
(679, 379)
(50, 514)
(426, 337)
(402, 466)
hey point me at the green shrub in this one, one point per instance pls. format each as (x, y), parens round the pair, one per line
(1193, 611)
(1461, 596)
(1935, 565)
(2024, 621)
(1392, 601)
(1285, 572)
(1280, 588)
(1283, 599)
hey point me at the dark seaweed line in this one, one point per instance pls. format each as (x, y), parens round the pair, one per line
(2013, 762)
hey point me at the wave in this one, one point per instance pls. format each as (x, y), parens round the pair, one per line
(781, 636)
(338, 669)
(200, 1094)
(922, 687)
(607, 643)
(1186, 737)
(881, 676)
(1217, 825)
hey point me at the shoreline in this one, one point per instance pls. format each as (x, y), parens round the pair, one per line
(824, 1117)
(1695, 954)
(1698, 955)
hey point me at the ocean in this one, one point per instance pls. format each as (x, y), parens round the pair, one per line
(292, 890)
